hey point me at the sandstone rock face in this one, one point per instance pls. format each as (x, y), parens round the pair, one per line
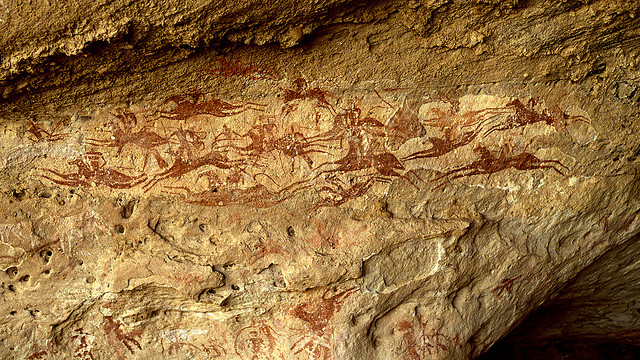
(318, 180)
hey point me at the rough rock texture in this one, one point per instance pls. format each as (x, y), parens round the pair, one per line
(319, 180)
(595, 317)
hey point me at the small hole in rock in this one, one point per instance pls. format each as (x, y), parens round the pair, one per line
(45, 194)
(19, 194)
(291, 231)
(211, 291)
(13, 313)
(46, 255)
(119, 229)
(47, 272)
(11, 288)
(128, 209)
(25, 278)
(235, 287)
(12, 271)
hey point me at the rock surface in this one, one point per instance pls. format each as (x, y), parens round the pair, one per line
(318, 180)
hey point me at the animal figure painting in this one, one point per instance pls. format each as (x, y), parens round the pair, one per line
(191, 146)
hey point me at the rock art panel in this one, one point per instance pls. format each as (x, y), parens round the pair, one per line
(339, 157)
(388, 188)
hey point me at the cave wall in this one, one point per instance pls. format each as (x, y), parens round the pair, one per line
(316, 180)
